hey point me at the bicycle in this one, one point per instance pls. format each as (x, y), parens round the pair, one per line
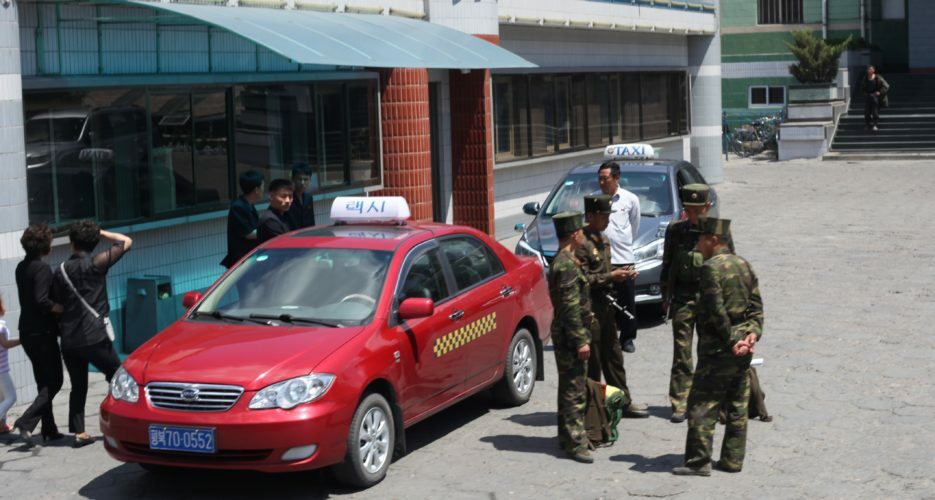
(755, 137)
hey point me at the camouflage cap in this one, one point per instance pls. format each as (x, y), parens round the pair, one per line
(567, 223)
(716, 227)
(695, 195)
(597, 204)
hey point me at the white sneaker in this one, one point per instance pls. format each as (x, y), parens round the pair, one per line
(875, 128)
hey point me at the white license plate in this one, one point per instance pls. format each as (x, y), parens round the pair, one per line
(191, 439)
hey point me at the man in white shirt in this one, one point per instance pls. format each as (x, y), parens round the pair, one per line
(622, 230)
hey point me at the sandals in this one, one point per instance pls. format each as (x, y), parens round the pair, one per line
(5, 429)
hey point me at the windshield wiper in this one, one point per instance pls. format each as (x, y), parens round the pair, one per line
(650, 214)
(288, 318)
(229, 317)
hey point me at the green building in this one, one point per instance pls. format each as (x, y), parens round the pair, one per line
(755, 55)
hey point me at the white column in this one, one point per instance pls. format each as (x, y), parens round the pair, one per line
(704, 60)
(13, 211)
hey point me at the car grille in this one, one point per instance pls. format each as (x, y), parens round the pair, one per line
(219, 456)
(192, 397)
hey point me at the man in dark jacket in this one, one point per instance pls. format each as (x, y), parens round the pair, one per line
(242, 218)
(275, 220)
(874, 88)
(302, 212)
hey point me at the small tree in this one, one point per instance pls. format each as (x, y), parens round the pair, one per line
(818, 59)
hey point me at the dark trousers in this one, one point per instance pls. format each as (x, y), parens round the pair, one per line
(103, 356)
(606, 355)
(871, 110)
(42, 350)
(626, 297)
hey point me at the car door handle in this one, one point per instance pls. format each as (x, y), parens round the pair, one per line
(506, 291)
(456, 315)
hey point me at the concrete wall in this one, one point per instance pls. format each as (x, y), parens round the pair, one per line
(566, 48)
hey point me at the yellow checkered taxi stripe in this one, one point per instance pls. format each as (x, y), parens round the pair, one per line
(465, 335)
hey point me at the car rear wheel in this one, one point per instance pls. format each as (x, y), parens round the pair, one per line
(370, 443)
(519, 374)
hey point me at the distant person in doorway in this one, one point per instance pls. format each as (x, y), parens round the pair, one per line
(242, 219)
(80, 285)
(875, 91)
(302, 212)
(275, 220)
(38, 332)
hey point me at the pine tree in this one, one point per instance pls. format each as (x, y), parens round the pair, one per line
(818, 59)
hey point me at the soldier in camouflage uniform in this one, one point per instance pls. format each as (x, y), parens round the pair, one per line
(594, 256)
(681, 272)
(571, 337)
(730, 322)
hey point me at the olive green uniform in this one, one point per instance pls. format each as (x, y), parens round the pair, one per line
(568, 289)
(729, 308)
(680, 275)
(606, 355)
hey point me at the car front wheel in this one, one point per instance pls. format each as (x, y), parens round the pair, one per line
(519, 374)
(370, 443)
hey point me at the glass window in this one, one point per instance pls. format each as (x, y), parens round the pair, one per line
(655, 117)
(767, 96)
(779, 11)
(87, 156)
(266, 285)
(471, 261)
(600, 110)
(579, 102)
(511, 124)
(275, 127)
(542, 114)
(562, 128)
(130, 154)
(630, 101)
(362, 133)
(425, 279)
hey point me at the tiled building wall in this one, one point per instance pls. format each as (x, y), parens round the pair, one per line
(407, 156)
(13, 211)
(472, 149)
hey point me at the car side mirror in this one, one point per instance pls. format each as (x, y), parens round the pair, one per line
(190, 299)
(520, 228)
(531, 208)
(416, 307)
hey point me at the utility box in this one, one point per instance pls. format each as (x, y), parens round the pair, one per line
(150, 308)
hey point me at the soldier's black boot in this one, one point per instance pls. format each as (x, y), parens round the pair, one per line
(704, 470)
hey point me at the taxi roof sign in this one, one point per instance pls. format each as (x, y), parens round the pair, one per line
(629, 152)
(369, 208)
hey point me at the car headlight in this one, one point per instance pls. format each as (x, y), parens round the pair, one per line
(123, 387)
(650, 251)
(293, 392)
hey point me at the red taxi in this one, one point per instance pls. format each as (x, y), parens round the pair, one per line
(321, 346)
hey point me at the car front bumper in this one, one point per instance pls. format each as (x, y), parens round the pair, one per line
(648, 283)
(245, 439)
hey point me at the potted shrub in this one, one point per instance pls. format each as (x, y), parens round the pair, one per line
(817, 67)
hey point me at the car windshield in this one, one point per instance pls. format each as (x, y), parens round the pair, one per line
(53, 129)
(652, 189)
(318, 286)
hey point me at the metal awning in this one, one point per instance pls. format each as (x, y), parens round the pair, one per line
(343, 39)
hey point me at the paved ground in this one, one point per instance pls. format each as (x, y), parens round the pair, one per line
(845, 261)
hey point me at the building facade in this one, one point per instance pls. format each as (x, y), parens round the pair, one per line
(892, 34)
(142, 114)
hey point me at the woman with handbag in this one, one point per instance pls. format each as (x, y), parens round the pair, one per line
(80, 285)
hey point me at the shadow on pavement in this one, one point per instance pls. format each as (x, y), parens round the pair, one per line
(662, 463)
(132, 481)
(526, 444)
(538, 419)
(663, 412)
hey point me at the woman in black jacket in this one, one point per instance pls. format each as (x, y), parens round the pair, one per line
(38, 331)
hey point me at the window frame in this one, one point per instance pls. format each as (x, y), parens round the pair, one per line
(768, 103)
